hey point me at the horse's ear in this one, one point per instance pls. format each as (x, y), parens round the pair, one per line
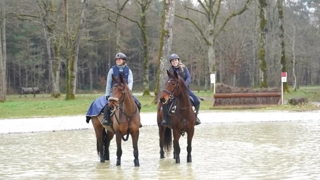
(176, 75)
(121, 78)
(114, 79)
(168, 72)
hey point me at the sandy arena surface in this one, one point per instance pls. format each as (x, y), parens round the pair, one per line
(149, 119)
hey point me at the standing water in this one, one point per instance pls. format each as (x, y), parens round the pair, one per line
(242, 150)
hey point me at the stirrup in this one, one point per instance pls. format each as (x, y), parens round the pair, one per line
(164, 123)
(197, 122)
(105, 122)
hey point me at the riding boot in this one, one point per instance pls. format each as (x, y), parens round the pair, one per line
(164, 121)
(197, 122)
(106, 116)
(139, 108)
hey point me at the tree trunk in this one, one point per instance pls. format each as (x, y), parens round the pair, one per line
(262, 44)
(56, 69)
(3, 56)
(73, 56)
(54, 63)
(77, 44)
(143, 7)
(281, 35)
(165, 47)
(2, 74)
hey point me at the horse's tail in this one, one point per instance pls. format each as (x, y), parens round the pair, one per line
(168, 139)
(104, 141)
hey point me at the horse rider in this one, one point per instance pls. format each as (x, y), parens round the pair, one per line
(120, 68)
(182, 70)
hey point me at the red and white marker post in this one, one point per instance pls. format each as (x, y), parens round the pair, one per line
(283, 79)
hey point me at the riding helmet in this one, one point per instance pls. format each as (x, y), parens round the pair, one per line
(173, 56)
(120, 56)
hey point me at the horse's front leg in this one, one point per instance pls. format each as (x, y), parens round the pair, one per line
(176, 146)
(135, 137)
(119, 150)
(189, 146)
(107, 145)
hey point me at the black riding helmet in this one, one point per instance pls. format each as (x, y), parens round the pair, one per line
(173, 56)
(120, 56)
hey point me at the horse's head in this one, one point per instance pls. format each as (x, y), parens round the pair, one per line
(172, 87)
(118, 90)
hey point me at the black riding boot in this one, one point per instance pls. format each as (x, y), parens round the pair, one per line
(197, 122)
(139, 107)
(106, 116)
(164, 121)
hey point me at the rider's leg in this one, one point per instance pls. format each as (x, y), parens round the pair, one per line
(197, 122)
(165, 112)
(106, 116)
(138, 105)
(196, 103)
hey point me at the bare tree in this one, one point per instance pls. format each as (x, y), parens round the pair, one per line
(165, 43)
(73, 45)
(262, 44)
(211, 10)
(282, 42)
(47, 21)
(143, 6)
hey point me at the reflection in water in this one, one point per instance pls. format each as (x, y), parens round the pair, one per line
(266, 150)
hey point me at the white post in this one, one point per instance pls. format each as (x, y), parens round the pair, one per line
(281, 92)
(283, 79)
(213, 81)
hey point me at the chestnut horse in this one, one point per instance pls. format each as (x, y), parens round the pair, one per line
(125, 120)
(181, 117)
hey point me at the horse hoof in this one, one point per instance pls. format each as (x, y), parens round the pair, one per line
(189, 159)
(102, 159)
(161, 155)
(177, 160)
(136, 163)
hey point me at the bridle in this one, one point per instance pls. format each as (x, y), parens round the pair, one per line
(121, 101)
(172, 99)
(171, 94)
(121, 110)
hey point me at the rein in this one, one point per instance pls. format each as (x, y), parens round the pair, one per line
(172, 97)
(122, 112)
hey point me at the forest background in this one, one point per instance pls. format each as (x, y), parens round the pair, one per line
(46, 43)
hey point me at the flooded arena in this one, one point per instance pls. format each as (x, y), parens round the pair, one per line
(230, 148)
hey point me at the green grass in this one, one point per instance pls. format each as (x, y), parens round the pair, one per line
(44, 106)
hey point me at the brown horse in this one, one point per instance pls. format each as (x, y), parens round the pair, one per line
(125, 121)
(181, 117)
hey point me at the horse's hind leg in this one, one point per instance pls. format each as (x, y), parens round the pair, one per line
(135, 137)
(189, 146)
(99, 135)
